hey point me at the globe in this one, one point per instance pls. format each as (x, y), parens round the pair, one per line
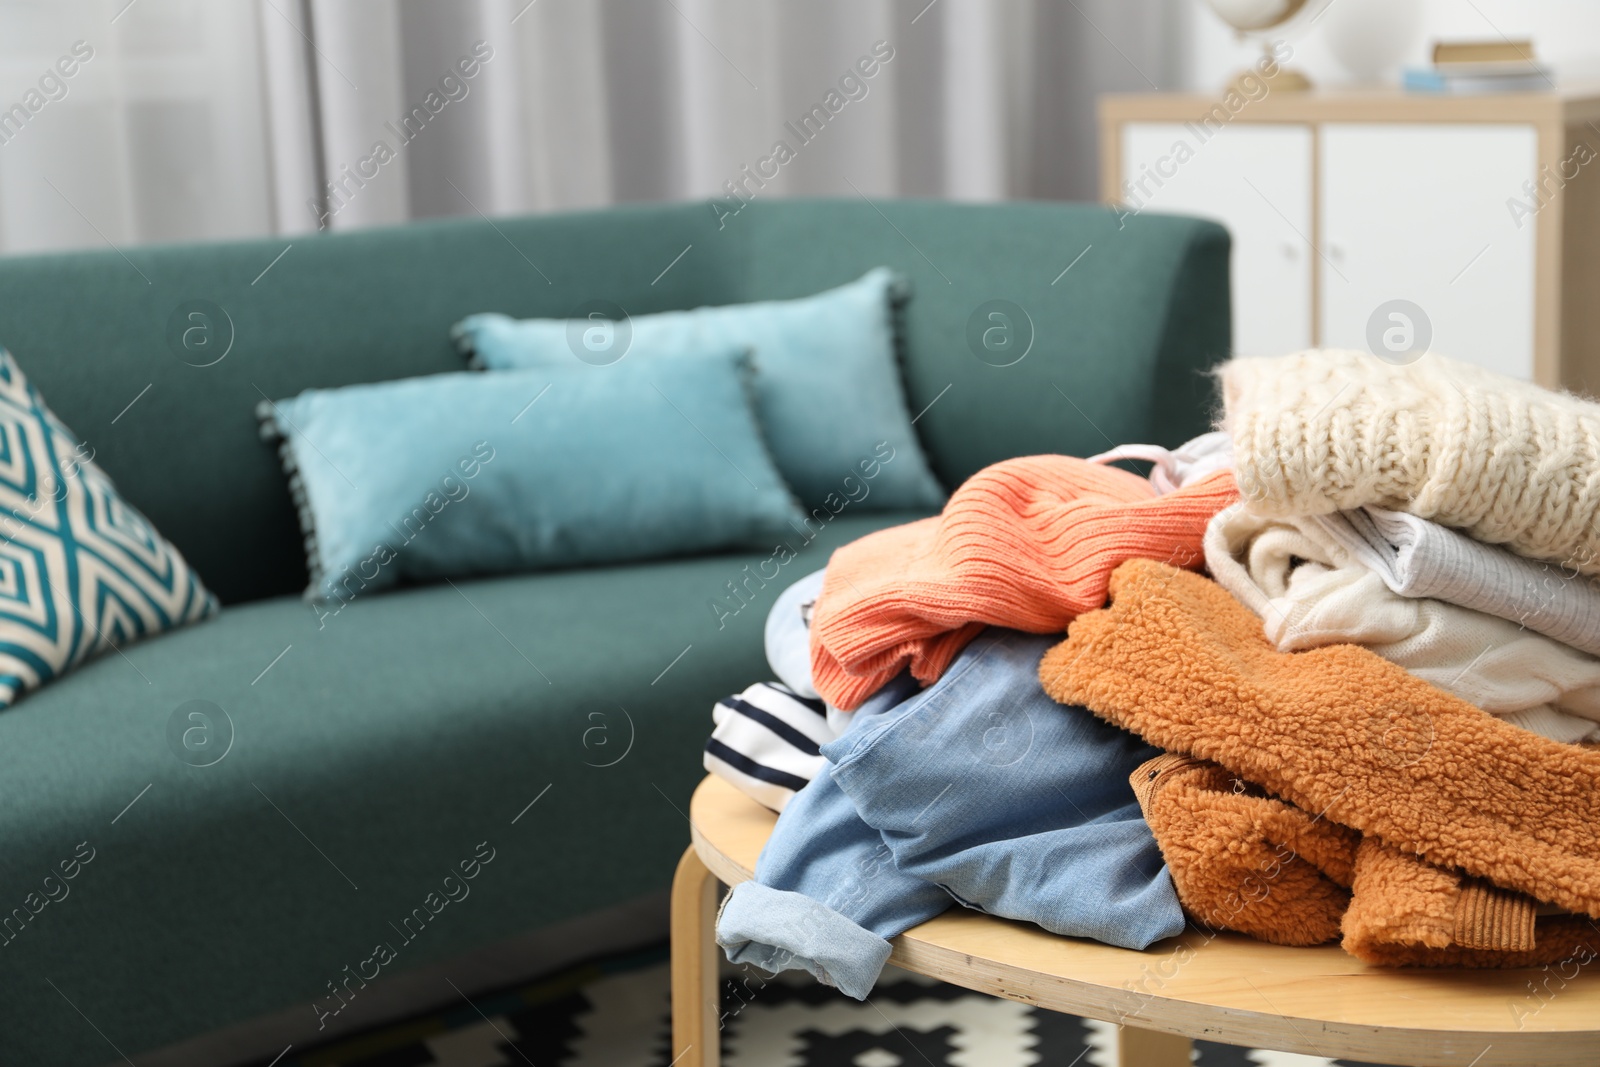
(1251, 17)
(1248, 15)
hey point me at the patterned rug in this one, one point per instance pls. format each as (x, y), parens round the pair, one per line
(614, 1013)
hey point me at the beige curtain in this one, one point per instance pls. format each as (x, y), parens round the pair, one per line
(218, 118)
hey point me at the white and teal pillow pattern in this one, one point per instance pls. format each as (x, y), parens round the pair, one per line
(81, 571)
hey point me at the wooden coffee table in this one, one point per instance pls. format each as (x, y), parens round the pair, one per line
(1317, 1001)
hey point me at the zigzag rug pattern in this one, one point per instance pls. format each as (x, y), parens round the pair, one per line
(614, 1012)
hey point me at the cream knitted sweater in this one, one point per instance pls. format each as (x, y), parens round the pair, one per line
(1506, 461)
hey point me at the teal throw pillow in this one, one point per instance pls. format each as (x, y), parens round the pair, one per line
(828, 388)
(457, 475)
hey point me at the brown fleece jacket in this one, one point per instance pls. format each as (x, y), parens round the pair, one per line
(1246, 862)
(1241, 861)
(1338, 731)
(1405, 912)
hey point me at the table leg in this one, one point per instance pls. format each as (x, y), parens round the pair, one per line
(695, 1037)
(1147, 1048)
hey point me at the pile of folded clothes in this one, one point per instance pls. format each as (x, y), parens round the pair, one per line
(1371, 722)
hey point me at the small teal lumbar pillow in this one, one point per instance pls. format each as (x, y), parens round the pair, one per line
(827, 383)
(458, 475)
(81, 571)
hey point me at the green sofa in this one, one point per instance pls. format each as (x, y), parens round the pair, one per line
(374, 750)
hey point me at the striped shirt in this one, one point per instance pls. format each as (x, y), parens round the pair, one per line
(766, 742)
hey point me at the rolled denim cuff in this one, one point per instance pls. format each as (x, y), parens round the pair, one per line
(777, 931)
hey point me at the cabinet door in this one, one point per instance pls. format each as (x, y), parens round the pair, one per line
(1255, 179)
(1417, 212)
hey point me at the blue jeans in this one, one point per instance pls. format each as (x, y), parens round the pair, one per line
(980, 790)
(788, 635)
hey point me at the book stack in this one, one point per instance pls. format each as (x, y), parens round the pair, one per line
(1481, 67)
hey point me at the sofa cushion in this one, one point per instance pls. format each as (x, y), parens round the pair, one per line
(460, 475)
(1113, 350)
(827, 384)
(1119, 343)
(82, 572)
(372, 751)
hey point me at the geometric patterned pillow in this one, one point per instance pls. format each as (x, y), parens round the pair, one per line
(81, 571)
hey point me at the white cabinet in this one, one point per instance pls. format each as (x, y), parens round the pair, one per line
(1417, 212)
(1481, 211)
(1255, 180)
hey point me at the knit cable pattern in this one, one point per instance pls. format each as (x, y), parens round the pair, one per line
(1506, 461)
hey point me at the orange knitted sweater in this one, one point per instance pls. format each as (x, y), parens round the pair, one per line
(1026, 543)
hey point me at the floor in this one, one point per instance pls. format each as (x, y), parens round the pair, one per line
(613, 1012)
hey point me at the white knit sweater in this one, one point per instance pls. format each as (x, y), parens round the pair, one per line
(1506, 461)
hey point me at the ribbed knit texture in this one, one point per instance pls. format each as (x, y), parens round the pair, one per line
(1419, 558)
(1488, 917)
(1242, 860)
(1405, 912)
(1504, 460)
(1026, 543)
